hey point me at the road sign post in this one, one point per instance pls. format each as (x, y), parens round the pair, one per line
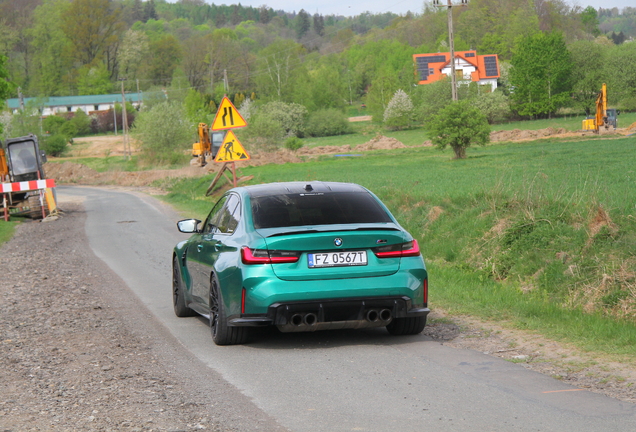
(228, 117)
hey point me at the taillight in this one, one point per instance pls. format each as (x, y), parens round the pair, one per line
(407, 249)
(264, 256)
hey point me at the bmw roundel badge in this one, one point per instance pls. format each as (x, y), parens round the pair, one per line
(337, 241)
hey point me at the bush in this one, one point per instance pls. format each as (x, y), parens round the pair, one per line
(399, 112)
(164, 133)
(263, 133)
(82, 123)
(290, 116)
(54, 145)
(494, 106)
(327, 122)
(293, 143)
(52, 124)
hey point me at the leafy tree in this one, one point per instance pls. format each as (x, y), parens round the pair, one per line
(92, 26)
(382, 90)
(195, 107)
(399, 112)
(94, 80)
(430, 99)
(165, 54)
(541, 74)
(280, 64)
(459, 126)
(133, 53)
(589, 19)
(4, 84)
(588, 75)
(164, 132)
(51, 62)
(620, 71)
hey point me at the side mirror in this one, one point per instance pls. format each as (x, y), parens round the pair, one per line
(43, 156)
(188, 226)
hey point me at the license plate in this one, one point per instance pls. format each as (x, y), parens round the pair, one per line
(337, 259)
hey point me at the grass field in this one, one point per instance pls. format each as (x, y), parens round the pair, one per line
(541, 234)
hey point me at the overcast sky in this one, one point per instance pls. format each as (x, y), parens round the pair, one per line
(356, 7)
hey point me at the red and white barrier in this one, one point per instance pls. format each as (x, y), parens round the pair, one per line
(27, 185)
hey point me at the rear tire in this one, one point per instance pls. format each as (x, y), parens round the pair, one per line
(222, 334)
(178, 295)
(406, 326)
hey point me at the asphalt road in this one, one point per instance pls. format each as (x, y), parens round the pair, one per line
(341, 380)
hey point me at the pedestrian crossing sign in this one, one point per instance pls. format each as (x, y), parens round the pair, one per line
(231, 150)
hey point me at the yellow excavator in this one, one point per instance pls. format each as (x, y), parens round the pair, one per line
(209, 144)
(604, 117)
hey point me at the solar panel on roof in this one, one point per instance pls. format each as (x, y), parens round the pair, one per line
(469, 55)
(491, 65)
(423, 62)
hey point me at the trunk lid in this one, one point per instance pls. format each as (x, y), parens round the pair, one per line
(339, 240)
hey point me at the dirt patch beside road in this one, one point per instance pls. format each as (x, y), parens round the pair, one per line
(78, 351)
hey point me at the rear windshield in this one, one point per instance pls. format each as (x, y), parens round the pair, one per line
(316, 209)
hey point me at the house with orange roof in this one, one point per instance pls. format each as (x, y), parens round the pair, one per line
(482, 69)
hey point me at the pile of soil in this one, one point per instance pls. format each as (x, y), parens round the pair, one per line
(520, 135)
(73, 173)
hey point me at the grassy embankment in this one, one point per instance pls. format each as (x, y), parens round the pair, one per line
(541, 235)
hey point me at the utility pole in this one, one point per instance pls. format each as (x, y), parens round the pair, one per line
(124, 120)
(451, 41)
(115, 116)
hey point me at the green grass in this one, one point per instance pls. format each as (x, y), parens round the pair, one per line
(539, 271)
(6, 230)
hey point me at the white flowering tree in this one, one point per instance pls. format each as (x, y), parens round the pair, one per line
(399, 112)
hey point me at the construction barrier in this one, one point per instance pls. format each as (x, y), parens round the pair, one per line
(40, 185)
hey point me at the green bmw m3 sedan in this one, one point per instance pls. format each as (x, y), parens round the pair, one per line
(301, 256)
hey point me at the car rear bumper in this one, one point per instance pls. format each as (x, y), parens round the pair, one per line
(333, 314)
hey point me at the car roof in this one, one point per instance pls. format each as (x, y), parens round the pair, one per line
(270, 189)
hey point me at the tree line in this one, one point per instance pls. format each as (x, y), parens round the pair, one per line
(553, 56)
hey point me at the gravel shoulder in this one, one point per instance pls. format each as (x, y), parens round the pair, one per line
(78, 351)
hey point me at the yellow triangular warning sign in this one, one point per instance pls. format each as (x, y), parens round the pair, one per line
(227, 116)
(231, 150)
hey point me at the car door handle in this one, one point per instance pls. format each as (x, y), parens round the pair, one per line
(217, 246)
(200, 247)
